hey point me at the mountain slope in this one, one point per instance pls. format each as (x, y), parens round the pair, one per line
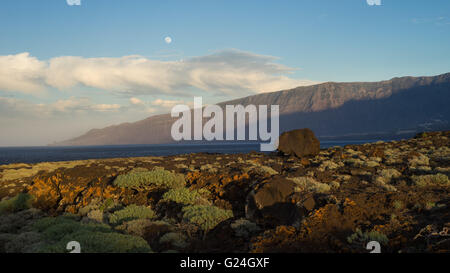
(330, 109)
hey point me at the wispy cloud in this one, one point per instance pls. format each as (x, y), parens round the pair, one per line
(73, 107)
(14, 108)
(228, 72)
(438, 21)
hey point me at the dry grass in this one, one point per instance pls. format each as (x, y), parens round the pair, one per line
(309, 184)
(11, 173)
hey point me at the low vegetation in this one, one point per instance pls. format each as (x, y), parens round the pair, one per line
(51, 235)
(183, 196)
(156, 178)
(360, 237)
(175, 239)
(132, 212)
(431, 180)
(310, 184)
(19, 202)
(395, 193)
(207, 217)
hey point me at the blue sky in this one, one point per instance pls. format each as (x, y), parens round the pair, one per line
(329, 40)
(311, 41)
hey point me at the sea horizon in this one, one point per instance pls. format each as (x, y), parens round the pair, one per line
(38, 154)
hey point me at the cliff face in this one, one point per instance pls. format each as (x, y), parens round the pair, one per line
(407, 104)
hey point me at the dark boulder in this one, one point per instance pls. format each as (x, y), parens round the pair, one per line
(269, 203)
(300, 142)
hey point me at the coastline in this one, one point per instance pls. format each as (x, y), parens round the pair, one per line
(395, 190)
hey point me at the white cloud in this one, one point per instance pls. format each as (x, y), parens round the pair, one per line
(19, 108)
(229, 72)
(136, 101)
(23, 73)
(105, 107)
(166, 103)
(79, 105)
(135, 87)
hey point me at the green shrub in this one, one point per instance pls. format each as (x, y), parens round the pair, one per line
(55, 228)
(309, 184)
(16, 222)
(430, 205)
(97, 204)
(107, 204)
(99, 242)
(136, 227)
(244, 228)
(431, 180)
(367, 236)
(381, 182)
(23, 243)
(183, 196)
(5, 238)
(22, 201)
(207, 217)
(96, 215)
(388, 174)
(132, 212)
(44, 223)
(156, 178)
(174, 239)
(93, 238)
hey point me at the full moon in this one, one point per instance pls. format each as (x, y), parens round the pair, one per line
(168, 40)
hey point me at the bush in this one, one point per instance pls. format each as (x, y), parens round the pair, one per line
(431, 180)
(99, 242)
(244, 228)
(207, 217)
(96, 215)
(381, 182)
(107, 204)
(97, 204)
(132, 212)
(136, 227)
(156, 178)
(388, 174)
(309, 184)
(22, 243)
(5, 238)
(44, 223)
(420, 160)
(183, 196)
(55, 228)
(93, 238)
(22, 201)
(367, 236)
(19, 221)
(174, 239)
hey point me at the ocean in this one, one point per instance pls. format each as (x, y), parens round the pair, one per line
(10, 155)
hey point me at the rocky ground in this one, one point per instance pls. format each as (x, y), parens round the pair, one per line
(396, 193)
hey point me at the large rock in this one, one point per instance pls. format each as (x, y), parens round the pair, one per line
(269, 203)
(301, 142)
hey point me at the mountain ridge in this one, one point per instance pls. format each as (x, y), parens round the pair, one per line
(324, 107)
